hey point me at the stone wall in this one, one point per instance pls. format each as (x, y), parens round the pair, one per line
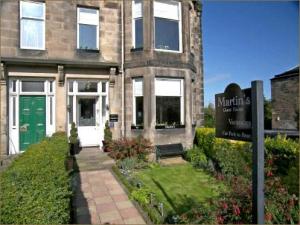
(61, 31)
(285, 102)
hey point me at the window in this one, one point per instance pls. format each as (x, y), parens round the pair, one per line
(33, 86)
(32, 20)
(87, 86)
(137, 24)
(88, 28)
(169, 102)
(138, 102)
(167, 22)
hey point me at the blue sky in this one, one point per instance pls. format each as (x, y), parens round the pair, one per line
(245, 41)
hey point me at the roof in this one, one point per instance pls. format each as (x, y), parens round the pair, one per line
(290, 73)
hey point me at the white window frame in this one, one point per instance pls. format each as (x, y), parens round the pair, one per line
(22, 46)
(181, 80)
(134, 95)
(91, 23)
(134, 18)
(179, 25)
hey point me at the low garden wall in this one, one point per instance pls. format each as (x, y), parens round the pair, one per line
(35, 188)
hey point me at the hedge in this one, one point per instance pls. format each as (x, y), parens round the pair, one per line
(235, 158)
(36, 189)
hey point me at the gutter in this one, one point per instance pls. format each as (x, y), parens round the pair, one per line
(122, 70)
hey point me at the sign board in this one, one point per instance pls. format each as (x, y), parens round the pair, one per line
(233, 113)
(113, 118)
(240, 116)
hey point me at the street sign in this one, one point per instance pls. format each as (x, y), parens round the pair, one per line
(233, 113)
(240, 116)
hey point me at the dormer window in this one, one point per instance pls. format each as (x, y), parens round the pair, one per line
(32, 20)
(167, 26)
(137, 24)
(87, 28)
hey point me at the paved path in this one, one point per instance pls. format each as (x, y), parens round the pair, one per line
(99, 198)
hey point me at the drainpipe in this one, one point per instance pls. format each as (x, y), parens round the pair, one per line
(123, 71)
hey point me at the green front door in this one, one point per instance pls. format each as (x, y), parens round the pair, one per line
(32, 120)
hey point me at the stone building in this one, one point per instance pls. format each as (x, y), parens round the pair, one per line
(87, 61)
(285, 100)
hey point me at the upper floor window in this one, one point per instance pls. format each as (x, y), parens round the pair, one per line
(87, 28)
(32, 20)
(167, 25)
(137, 23)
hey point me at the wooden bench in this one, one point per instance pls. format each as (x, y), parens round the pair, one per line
(169, 150)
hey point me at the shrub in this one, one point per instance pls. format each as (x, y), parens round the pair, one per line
(141, 195)
(197, 157)
(107, 133)
(73, 134)
(127, 148)
(204, 139)
(35, 189)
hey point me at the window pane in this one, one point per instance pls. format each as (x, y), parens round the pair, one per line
(139, 106)
(166, 34)
(14, 111)
(51, 110)
(87, 36)
(87, 111)
(103, 109)
(31, 9)
(167, 110)
(70, 109)
(71, 86)
(32, 33)
(87, 86)
(51, 86)
(32, 86)
(88, 16)
(14, 85)
(139, 33)
(103, 86)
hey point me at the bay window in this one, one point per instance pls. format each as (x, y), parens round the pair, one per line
(138, 102)
(167, 25)
(32, 23)
(137, 23)
(169, 102)
(87, 28)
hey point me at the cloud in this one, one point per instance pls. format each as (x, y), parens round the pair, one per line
(211, 79)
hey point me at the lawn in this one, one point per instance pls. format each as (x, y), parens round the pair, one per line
(180, 187)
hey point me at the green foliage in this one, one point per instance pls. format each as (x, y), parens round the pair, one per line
(204, 139)
(268, 113)
(209, 116)
(233, 158)
(73, 139)
(197, 157)
(141, 195)
(35, 189)
(107, 133)
(127, 163)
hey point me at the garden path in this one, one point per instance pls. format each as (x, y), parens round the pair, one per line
(99, 198)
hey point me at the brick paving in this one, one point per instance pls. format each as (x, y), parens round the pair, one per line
(100, 199)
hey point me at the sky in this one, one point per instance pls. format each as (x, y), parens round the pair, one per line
(245, 41)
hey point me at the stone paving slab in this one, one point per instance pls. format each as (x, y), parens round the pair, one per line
(99, 198)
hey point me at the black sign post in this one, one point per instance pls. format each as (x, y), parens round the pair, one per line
(258, 200)
(240, 116)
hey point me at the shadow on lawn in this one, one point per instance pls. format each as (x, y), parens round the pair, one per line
(186, 203)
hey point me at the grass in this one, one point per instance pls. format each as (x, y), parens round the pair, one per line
(180, 187)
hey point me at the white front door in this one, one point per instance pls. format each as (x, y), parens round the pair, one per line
(88, 121)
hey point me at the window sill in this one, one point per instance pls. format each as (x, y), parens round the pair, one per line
(168, 51)
(169, 126)
(137, 127)
(137, 49)
(88, 50)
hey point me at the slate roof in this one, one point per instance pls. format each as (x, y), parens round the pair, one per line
(289, 73)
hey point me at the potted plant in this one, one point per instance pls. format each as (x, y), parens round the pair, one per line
(73, 139)
(107, 137)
